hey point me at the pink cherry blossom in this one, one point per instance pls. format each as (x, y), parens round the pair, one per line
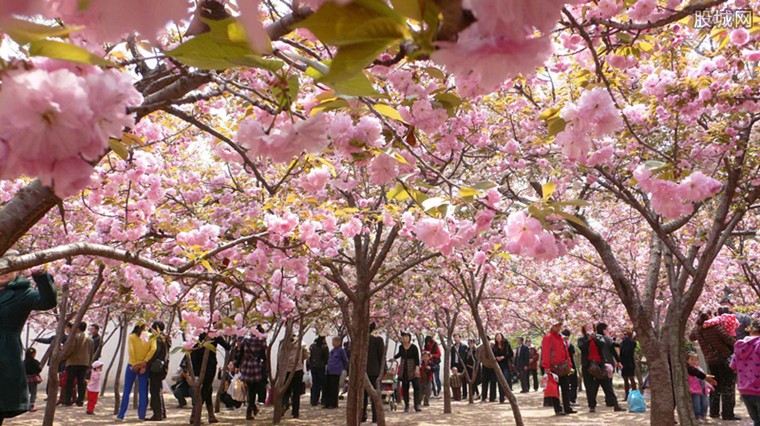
(316, 179)
(382, 169)
(432, 232)
(697, 187)
(739, 37)
(285, 141)
(351, 228)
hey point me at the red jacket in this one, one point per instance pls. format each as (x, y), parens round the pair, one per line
(553, 350)
(435, 352)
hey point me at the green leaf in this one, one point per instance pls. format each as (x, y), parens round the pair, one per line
(204, 52)
(23, 31)
(388, 111)
(435, 73)
(329, 105)
(547, 190)
(485, 185)
(353, 58)
(398, 193)
(575, 202)
(409, 8)
(465, 192)
(119, 148)
(572, 218)
(357, 85)
(65, 52)
(210, 346)
(357, 22)
(556, 125)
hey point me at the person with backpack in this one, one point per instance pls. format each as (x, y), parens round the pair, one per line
(318, 356)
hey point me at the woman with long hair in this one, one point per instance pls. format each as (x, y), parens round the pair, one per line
(141, 349)
(502, 350)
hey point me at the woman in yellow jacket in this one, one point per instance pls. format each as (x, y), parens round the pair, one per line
(141, 350)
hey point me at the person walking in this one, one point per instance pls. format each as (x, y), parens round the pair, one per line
(533, 366)
(294, 366)
(717, 346)
(252, 359)
(522, 361)
(502, 351)
(33, 369)
(375, 360)
(435, 357)
(318, 355)
(458, 355)
(628, 360)
(746, 363)
(158, 368)
(207, 381)
(93, 386)
(336, 363)
(78, 357)
(573, 376)
(489, 376)
(556, 363)
(409, 372)
(141, 349)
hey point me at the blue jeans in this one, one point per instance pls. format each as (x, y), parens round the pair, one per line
(699, 402)
(142, 393)
(752, 402)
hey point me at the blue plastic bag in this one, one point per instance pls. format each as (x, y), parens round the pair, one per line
(636, 402)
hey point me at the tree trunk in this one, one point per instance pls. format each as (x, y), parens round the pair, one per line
(446, 377)
(376, 398)
(122, 330)
(679, 374)
(659, 381)
(357, 369)
(117, 380)
(489, 354)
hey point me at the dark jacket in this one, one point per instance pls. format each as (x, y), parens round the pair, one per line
(607, 349)
(196, 356)
(96, 340)
(409, 361)
(252, 360)
(628, 356)
(716, 344)
(375, 356)
(458, 355)
(583, 345)
(17, 300)
(162, 350)
(318, 356)
(522, 357)
(505, 351)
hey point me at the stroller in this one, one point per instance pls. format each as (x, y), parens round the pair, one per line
(389, 385)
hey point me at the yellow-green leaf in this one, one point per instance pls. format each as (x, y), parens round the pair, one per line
(556, 125)
(388, 111)
(203, 51)
(408, 8)
(65, 52)
(119, 148)
(465, 192)
(547, 190)
(23, 31)
(572, 218)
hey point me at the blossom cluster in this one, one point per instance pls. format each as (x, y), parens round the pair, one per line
(502, 42)
(672, 199)
(54, 123)
(593, 116)
(286, 140)
(527, 237)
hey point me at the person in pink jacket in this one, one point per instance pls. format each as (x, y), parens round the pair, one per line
(746, 362)
(700, 385)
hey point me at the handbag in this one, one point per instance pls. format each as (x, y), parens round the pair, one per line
(157, 366)
(596, 370)
(562, 368)
(237, 390)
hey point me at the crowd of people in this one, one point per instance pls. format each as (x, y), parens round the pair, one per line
(728, 341)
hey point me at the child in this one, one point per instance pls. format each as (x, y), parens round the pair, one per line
(698, 388)
(93, 387)
(456, 384)
(33, 378)
(426, 377)
(746, 362)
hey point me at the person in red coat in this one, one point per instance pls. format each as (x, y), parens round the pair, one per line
(553, 353)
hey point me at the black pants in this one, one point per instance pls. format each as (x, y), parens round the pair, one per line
(256, 389)
(524, 380)
(630, 384)
(534, 373)
(317, 385)
(573, 387)
(207, 388)
(330, 391)
(75, 372)
(592, 385)
(417, 394)
(564, 390)
(725, 392)
(294, 392)
(372, 382)
(229, 402)
(489, 383)
(183, 391)
(155, 386)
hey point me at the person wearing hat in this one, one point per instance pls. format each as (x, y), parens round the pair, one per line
(556, 362)
(409, 357)
(93, 387)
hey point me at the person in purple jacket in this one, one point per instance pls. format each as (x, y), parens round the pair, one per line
(746, 362)
(336, 363)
